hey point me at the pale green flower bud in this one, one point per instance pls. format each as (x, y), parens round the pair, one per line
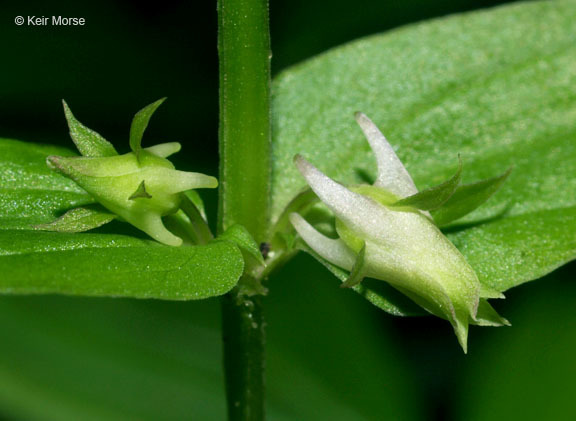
(140, 187)
(399, 245)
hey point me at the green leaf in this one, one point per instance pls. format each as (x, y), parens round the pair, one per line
(114, 265)
(240, 236)
(66, 359)
(88, 142)
(90, 264)
(139, 124)
(444, 87)
(30, 193)
(434, 197)
(79, 220)
(467, 198)
(509, 251)
(78, 358)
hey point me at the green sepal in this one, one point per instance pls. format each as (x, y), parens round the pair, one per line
(197, 201)
(193, 207)
(434, 197)
(467, 198)
(79, 220)
(487, 316)
(139, 124)
(88, 142)
(357, 272)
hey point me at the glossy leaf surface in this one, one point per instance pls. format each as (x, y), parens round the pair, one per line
(91, 264)
(445, 87)
(30, 193)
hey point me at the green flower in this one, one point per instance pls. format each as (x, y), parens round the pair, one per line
(381, 236)
(139, 187)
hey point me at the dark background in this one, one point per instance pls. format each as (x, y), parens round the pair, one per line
(332, 356)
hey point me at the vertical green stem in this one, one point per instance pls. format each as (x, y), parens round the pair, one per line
(244, 53)
(244, 356)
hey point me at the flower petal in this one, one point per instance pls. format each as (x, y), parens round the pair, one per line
(392, 175)
(335, 251)
(164, 150)
(174, 181)
(152, 225)
(355, 210)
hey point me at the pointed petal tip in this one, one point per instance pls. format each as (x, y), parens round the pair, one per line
(359, 115)
(364, 122)
(302, 164)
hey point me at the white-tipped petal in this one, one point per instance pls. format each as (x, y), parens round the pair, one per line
(392, 175)
(164, 150)
(335, 251)
(357, 211)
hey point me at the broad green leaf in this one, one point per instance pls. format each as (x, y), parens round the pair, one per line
(33, 262)
(79, 220)
(434, 197)
(467, 198)
(67, 359)
(30, 193)
(139, 124)
(91, 264)
(497, 86)
(88, 142)
(509, 251)
(79, 358)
